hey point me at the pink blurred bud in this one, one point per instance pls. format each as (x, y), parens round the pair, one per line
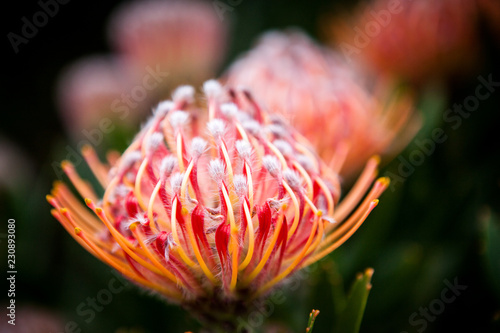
(92, 89)
(185, 38)
(16, 169)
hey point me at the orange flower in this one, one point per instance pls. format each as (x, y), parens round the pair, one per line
(212, 214)
(417, 41)
(324, 99)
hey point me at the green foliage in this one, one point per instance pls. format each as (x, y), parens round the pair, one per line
(351, 307)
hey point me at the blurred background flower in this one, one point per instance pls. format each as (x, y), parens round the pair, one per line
(185, 38)
(157, 45)
(16, 170)
(35, 319)
(437, 224)
(93, 88)
(318, 92)
(415, 41)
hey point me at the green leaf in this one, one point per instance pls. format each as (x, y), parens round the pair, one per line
(337, 284)
(312, 319)
(491, 247)
(431, 104)
(350, 319)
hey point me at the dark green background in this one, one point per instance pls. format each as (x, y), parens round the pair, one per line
(440, 224)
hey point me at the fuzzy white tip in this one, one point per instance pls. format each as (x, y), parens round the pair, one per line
(150, 239)
(146, 125)
(169, 245)
(272, 165)
(176, 182)
(183, 93)
(139, 217)
(178, 118)
(240, 185)
(163, 108)
(112, 172)
(154, 141)
(252, 126)
(277, 204)
(277, 130)
(293, 179)
(284, 147)
(216, 127)
(167, 165)
(244, 149)
(306, 162)
(121, 191)
(198, 146)
(329, 219)
(229, 109)
(130, 159)
(242, 116)
(277, 119)
(212, 88)
(217, 170)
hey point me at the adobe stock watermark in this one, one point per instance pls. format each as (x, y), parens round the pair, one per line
(420, 319)
(31, 26)
(454, 116)
(371, 29)
(221, 7)
(88, 308)
(121, 106)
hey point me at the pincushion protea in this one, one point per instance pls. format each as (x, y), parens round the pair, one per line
(325, 99)
(213, 213)
(417, 41)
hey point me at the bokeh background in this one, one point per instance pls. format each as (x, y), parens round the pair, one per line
(440, 224)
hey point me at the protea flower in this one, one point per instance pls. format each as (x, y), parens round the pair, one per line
(324, 98)
(417, 41)
(184, 37)
(95, 88)
(213, 206)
